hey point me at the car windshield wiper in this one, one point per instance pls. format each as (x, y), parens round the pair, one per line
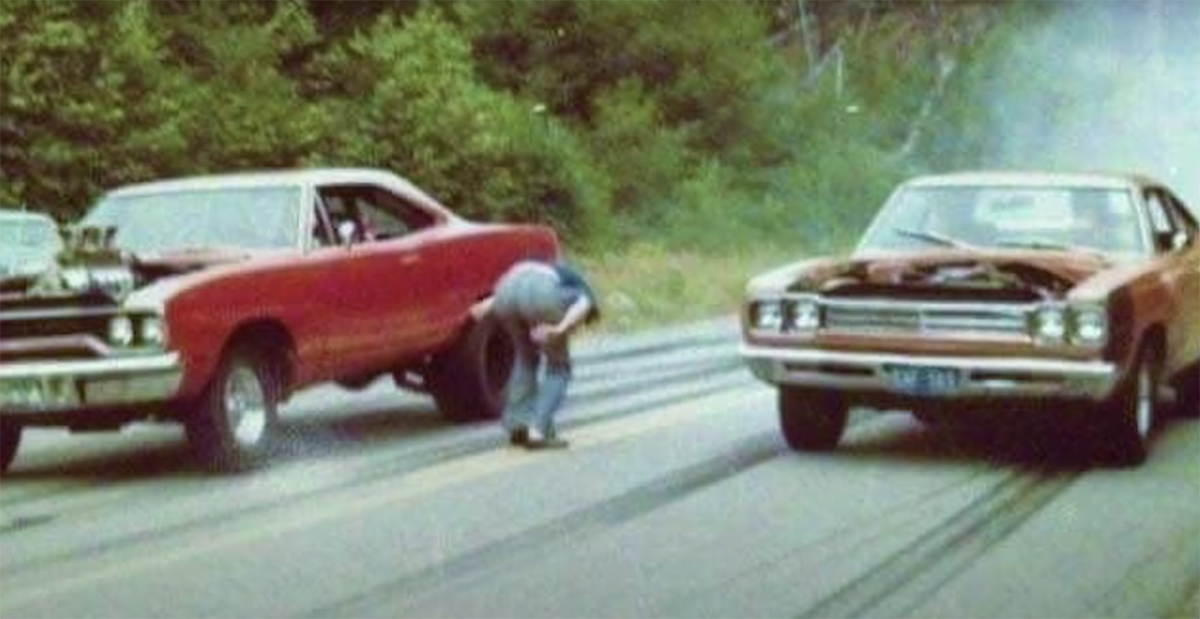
(1036, 243)
(933, 237)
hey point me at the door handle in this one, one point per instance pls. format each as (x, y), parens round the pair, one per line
(410, 259)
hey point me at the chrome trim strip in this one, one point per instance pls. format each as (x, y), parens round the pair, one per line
(112, 366)
(55, 342)
(52, 313)
(937, 306)
(979, 364)
(983, 376)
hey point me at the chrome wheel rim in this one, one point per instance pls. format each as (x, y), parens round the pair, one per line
(1145, 401)
(245, 406)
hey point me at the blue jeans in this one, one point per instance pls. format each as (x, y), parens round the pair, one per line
(531, 401)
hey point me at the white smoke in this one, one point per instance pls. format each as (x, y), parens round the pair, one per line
(1109, 85)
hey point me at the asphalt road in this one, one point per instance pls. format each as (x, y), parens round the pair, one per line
(676, 498)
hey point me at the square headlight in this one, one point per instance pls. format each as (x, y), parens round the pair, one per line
(1089, 326)
(120, 331)
(768, 315)
(151, 332)
(1049, 324)
(805, 315)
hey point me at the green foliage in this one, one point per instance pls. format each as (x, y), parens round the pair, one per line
(613, 121)
(489, 153)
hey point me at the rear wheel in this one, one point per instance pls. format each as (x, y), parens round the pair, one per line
(1127, 419)
(467, 381)
(233, 426)
(10, 440)
(811, 420)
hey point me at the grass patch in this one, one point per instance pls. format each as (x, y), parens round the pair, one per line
(647, 285)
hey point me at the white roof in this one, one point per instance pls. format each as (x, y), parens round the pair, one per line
(274, 178)
(1013, 178)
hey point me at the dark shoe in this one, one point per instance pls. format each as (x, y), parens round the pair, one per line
(548, 443)
(518, 436)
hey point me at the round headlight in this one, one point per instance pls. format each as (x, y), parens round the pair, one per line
(768, 316)
(120, 331)
(806, 315)
(1050, 324)
(1089, 326)
(151, 332)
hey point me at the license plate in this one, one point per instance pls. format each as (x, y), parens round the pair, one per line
(22, 393)
(914, 380)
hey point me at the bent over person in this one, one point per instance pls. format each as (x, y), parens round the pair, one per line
(539, 305)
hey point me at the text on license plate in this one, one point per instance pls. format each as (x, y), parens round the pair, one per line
(917, 380)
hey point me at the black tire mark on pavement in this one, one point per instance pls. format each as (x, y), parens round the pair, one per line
(408, 463)
(580, 524)
(898, 585)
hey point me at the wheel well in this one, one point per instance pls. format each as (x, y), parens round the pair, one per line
(1156, 336)
(274, 339)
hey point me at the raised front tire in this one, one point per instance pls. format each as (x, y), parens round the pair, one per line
(467, 381)
(10, 440)
(232, 427)
(1128, 417)
(1187, 403)
(811, 420)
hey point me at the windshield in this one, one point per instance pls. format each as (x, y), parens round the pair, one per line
(242, 218)
(32, 241)
(1098, 220)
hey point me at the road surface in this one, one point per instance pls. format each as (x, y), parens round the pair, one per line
(677, 498)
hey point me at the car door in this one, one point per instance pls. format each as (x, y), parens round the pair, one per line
(372, 265)
(1176, 237)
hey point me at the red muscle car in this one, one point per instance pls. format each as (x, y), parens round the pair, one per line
(210, 300)
(994, 293)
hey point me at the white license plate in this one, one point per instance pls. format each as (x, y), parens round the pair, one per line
(920, 380)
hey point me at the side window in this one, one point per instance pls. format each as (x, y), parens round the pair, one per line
(1161, 225)
(1183, 220)
(408, 217)
(322, 232)
(371, 213)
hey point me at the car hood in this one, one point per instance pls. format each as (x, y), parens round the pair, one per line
(950, 274)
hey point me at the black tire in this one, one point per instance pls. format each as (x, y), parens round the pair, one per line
(227, 439)
(467, 381)
(10, 440)
(1187, 403)
(1125, 421)
(811, 420)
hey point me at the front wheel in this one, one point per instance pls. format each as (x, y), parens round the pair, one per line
(811, 420)
(1127, 419)
(10, 440)
(467, 381)
(232, 427)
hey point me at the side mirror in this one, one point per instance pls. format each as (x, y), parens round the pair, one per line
(1179, 240)
(347, 232)
(1171, 241)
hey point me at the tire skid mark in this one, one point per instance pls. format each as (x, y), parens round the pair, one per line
(408, 463)
(901, 583)
(594, 519)
(705, 368)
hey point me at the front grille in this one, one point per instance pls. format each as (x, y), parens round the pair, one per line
(907, 318)
(60, 328)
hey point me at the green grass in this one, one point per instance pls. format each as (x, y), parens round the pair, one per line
(646, 285)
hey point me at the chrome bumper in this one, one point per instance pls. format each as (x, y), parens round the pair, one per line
(58, 386)
(980, 377)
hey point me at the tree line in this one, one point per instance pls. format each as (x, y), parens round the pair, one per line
(602, 118)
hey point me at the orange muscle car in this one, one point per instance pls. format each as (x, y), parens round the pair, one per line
(993, 293)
